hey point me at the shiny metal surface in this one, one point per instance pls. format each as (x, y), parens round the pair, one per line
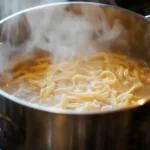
(45, 129)
(126, 130)
(148, 16)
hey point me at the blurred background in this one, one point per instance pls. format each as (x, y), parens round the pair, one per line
(8, 7)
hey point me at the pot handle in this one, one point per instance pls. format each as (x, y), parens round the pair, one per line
(8, 120)
(14, 129)
(148, 16)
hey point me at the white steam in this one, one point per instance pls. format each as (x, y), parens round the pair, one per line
(8, 7)
(62, 33)
(65, 34)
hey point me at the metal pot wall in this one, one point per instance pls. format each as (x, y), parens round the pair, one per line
(31, 127)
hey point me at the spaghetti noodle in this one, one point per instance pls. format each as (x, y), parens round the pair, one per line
(101, 82)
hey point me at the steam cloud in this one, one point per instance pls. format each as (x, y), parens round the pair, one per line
(66, 34)
(8, 7)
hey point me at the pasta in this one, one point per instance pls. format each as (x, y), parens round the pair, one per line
(104, 81)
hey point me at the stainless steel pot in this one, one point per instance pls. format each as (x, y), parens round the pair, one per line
(31, 127)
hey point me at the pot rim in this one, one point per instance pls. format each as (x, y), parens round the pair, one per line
(52, 110)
